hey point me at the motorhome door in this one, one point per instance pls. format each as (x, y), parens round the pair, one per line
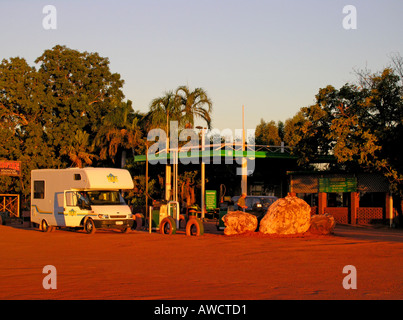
(74, 204)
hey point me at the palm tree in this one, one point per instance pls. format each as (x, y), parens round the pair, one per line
(79, 150)
(183, 106)
(194, 104)
(163, 110)
(120, 132)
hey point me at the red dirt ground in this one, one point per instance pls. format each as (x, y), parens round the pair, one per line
(138, 265)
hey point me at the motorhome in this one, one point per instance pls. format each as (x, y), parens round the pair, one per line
(80, 198)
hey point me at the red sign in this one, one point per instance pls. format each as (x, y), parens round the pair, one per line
(10, 168)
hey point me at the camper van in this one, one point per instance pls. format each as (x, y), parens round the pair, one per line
(80, 198)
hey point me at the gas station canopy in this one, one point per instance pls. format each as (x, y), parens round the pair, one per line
(229, 151)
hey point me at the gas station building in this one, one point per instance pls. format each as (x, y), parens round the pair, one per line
(361, 198)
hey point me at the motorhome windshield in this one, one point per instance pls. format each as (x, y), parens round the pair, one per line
(99, 198)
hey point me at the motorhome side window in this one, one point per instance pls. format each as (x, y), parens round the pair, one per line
(77, 176)
(39, 189)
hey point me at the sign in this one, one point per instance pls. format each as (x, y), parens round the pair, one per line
(211, 199)
(337, 185)
(10, 168)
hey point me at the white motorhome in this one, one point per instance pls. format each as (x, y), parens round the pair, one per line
(87, 198)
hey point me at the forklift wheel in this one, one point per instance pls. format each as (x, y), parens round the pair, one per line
(194, 227)
(168, 226)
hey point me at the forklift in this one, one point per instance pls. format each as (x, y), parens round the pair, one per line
(165, 218)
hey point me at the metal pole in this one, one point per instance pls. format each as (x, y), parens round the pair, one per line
(168, 177)
(150, 221)
(147, 180)
(203, 178)
(244, 183)
(175, 176)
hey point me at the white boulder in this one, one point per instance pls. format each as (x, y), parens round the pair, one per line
(289, 215)
(238, 222)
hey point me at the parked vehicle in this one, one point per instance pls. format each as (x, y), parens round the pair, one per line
(165, 216)
(86, 198)
(256, 205)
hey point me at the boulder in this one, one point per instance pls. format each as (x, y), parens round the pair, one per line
(289, 215)
(322, 224)
(238, 222)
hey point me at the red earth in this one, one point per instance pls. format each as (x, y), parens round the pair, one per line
(111, 265)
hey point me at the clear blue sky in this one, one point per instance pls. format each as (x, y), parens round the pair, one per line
(271, 56)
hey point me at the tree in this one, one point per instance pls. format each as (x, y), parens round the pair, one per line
(361, 125)
(187, 184)
(21, 123)
(194, 104)
(139, 191)
(267, 133)
(183, 106)
(291, 137)
(281, 130)
(163, 110)
(312, 125)
(50, 116)
(79, 151)
(119, 132)
(369, 126)
(80, 90)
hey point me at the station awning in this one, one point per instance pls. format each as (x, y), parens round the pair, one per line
(212, 154)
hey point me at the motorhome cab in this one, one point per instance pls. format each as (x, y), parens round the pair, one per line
(87, 198)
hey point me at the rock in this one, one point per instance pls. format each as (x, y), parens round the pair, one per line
(289, 215)
(322, 224)
(238, 222)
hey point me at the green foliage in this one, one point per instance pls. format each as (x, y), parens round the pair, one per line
(163, 110)
(79, 150)
(120, 131)
(68, 111)
(362, 126)
(187, 183)
(291, 134)
(50, 116)
(137, 194)
(267, 133)
(194, 104)
(22, 123)
(80, 91)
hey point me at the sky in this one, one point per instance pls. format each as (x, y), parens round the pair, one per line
(271, 57)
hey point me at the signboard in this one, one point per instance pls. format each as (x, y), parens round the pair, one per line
(10, 168)
(211, 199)
(337, 185)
